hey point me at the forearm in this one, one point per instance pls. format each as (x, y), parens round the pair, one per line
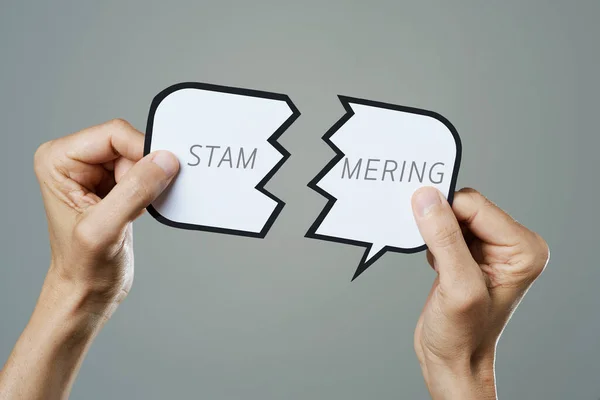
(47, 356)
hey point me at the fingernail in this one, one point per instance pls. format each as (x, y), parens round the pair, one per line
(167, 161)
(425, 199)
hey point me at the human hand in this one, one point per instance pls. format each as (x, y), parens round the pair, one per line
(94, 184)
(486, 262)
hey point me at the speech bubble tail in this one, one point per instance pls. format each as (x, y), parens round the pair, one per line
(371, 255)
(361, 268)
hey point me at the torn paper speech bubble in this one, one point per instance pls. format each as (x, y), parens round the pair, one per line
(225, 140)
(384, 154)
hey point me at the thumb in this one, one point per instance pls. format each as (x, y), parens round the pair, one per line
(136, 190)
(443, 235)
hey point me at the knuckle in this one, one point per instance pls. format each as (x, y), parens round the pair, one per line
(477, 197)
(541, 256)
(535, 254)
(481, 200)
(40, 157)
(87, 238)
(469, 190)
(486, 203)
(118, 124)
(447, 236)
(468, 302)
(139, 190)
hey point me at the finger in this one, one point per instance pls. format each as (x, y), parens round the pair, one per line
(443, 236)
(122, 166)
(144, 182)
(431, 260)
(113, 172)
(467, 234)
(106, 185)
(104, 143)
(485, 220)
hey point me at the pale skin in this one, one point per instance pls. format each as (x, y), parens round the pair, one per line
(96, 182)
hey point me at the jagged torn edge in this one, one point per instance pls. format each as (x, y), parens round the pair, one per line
(272, 140)
(313, 184)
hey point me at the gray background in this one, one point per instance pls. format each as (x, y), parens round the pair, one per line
(225, 317)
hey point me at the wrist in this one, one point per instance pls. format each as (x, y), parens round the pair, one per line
(71, 307)
(474, 379)
(93, 295)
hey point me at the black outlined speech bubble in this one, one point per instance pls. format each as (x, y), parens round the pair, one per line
(385, 152)
(226, 141)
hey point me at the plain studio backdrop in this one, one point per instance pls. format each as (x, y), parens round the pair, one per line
(224, 317)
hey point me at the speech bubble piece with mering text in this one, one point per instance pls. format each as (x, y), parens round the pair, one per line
(385, 153)
(225, 140)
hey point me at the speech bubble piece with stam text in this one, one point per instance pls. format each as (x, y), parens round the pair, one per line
(226, 142)
(385, 153)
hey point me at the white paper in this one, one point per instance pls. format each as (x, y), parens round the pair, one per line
(385, 153)
(220, 136)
